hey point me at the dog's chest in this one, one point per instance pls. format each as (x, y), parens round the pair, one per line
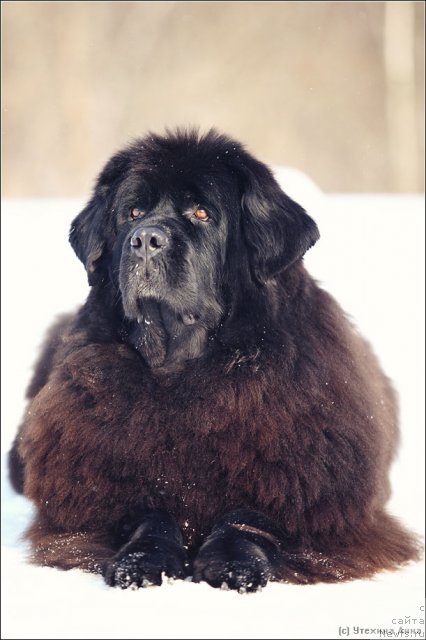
(198, 468)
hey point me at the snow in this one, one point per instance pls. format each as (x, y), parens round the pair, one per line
(371, 257)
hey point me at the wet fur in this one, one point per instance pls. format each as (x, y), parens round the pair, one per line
(222, 419)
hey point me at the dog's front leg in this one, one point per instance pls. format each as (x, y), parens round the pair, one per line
(155, 549)
(240, 553)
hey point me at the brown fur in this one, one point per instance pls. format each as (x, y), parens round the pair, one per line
(302, 432)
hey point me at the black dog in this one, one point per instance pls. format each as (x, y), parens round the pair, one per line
(209, 411)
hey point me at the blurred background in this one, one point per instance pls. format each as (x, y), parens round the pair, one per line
(334, 89)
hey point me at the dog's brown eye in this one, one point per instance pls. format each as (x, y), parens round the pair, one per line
(135, 213)
(201, 214)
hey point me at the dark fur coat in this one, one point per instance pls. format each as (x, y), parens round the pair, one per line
(214, 414)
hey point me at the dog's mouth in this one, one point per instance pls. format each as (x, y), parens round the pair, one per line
(152, 311)
(146, 284)
(144, 272)
(188, 318)
(140, 279)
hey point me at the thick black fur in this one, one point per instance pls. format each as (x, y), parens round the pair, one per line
(209, 411)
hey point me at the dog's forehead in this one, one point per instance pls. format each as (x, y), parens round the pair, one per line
(178, 181)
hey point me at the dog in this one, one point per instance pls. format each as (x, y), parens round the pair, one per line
(209, 411)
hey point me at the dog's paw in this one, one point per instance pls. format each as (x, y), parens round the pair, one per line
(247, 573)
(142, 569)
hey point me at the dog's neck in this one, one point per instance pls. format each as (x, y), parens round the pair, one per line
(165, 340)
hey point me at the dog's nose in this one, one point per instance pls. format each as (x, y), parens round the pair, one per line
(148, 241)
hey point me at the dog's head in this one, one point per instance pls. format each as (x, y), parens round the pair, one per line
(183, 221)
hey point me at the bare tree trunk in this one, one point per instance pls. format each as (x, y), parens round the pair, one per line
(401, 94)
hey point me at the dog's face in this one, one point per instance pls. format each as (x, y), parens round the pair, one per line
(185, 223)
(174, 219)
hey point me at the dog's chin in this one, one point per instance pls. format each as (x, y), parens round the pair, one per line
(165, 336)
(138, 286)
(141, 286)
(138, 298)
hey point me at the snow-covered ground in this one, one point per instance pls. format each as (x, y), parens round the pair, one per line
(371, 257)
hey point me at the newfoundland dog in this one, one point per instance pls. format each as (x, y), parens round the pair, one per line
(209, 411)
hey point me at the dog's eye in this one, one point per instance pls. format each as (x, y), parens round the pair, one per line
(201, 214)
(136, 213)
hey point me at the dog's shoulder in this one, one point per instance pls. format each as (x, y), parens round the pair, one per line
(51, 352)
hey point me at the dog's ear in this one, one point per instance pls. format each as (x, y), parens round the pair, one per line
(86, 236)
(277, 229)
(91, 227)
